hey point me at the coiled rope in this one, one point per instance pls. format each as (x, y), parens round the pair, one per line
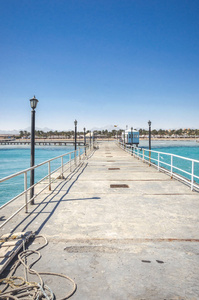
(20, 288)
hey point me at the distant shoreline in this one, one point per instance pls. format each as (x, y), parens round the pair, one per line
(105, 139)
(172, 139)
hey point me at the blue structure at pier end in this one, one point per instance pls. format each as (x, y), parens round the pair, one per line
(134, 140)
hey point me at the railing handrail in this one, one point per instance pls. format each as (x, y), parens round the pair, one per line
(183, 157)
(34, 167)
(77, 156)
(140, 153)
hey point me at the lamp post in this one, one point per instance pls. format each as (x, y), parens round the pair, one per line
(149, 122)
(90, 139)
(75, 122)
(33, 105)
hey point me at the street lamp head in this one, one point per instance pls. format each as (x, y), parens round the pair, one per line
(84, 129)
(33, 103)
(149, 122)
(75, 122)
(131, 128)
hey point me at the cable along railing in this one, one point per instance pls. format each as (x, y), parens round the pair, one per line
(183, 168)
(74, 159)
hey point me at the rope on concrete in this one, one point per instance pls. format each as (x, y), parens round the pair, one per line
(21, 288)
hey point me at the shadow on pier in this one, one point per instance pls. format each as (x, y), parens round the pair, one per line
(40, 208)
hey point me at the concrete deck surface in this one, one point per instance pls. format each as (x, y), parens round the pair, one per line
(140, 242)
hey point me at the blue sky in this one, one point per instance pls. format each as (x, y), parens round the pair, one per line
(100, 62)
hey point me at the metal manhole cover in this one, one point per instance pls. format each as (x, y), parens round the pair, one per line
(113, 168)
(115, 186)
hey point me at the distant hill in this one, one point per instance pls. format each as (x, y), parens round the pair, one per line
(27, 129)
(9, 131)
(107, 127)
(45, 129)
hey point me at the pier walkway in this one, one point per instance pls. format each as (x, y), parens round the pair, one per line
(119, 228)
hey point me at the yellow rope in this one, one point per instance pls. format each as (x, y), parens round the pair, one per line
(24, 287)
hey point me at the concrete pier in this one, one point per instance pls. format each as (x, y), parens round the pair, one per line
(119, 228)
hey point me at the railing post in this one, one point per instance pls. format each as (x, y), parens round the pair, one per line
(171, 166)
(192, 175)
(158, 161)
(49, 176)
(79, 155)
(25, 189)
(143, 154)
(62, 168)
(149, 158)
(70, 162)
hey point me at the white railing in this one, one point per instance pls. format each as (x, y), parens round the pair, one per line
(74, 159)
(185, 173)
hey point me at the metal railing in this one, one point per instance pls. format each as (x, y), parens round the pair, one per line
(74, 159)
(176, 166)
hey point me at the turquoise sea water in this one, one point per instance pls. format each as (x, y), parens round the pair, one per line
(187, 149)
(17, 158)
